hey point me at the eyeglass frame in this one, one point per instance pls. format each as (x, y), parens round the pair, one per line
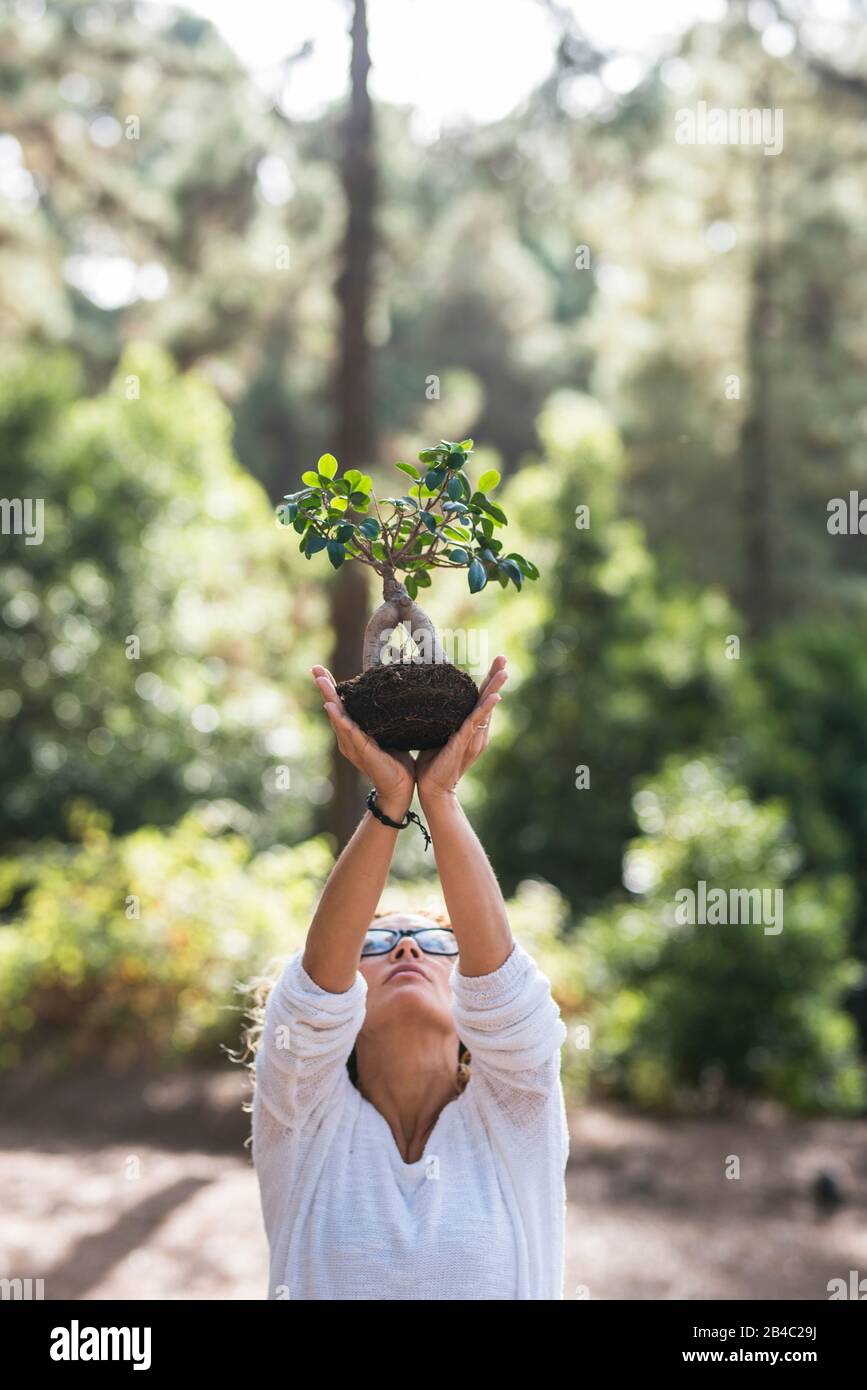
(410, 931)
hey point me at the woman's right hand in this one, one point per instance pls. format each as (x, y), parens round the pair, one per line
(391, 772)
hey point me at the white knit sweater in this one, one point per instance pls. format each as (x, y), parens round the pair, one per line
(479, 1216)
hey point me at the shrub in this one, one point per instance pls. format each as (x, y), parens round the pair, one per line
(722, 1008)
(128, 950)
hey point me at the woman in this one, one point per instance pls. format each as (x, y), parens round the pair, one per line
(410, 1182)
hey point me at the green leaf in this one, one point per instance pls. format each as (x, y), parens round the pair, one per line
(456, 459)
(360, 501)
(454, 489)
(300, 524)
(344, 532)
(489, 480)
(476, 576)
(338, 504)
(490, 507)
(352, 477)
(513, 570)
(526, 566)
(378, 552)
(428, 456)
(327, 465)
(466, 445)
(458, 555)
(410, 586)
(313, 542)
(434, 478)
(456, 533)
(410, 470)
(422, 578)
(336, 553)
(430, 521)
(369, 527)
(311, 479)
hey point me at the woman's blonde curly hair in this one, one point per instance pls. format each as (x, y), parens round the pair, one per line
(258, 989)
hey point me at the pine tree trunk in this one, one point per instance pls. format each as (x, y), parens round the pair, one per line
(757, 595)
(349, 592)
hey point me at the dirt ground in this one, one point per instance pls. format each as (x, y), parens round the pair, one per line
(142, 1189)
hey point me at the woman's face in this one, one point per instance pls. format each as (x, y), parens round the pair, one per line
(406, 982)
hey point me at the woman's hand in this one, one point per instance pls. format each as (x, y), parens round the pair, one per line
(392, 773)
(438, 770)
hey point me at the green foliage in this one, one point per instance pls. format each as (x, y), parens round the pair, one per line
(441, 508)
(797, 730)
(148, 643)
(621, 669)
(720, 1008)
(128, 950)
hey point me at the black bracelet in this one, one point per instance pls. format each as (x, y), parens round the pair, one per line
(396, 824)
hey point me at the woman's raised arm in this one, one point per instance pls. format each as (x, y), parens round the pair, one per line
(355, 884)
(472, 894)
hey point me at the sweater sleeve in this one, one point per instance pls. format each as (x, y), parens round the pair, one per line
(306, 1040)
(512, 1026)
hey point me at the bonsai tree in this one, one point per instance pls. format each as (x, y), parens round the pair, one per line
(442, 522)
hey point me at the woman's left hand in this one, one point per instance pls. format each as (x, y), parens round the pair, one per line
(438, 770)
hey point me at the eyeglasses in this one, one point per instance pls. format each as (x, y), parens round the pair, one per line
(434, 941)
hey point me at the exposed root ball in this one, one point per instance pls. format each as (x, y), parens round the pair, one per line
(410, 706)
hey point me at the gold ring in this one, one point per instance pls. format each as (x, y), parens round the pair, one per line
(481, 726)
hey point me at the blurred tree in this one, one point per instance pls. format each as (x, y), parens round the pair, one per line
(623, 670)
(797, 731)
(140, 179)
(152, 644)
(349, 597)
(728, 323)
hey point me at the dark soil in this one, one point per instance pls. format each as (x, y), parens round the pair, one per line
(410, 706)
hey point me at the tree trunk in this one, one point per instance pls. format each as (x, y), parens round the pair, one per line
(349, 596)
(398, 608)
(757, 596)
